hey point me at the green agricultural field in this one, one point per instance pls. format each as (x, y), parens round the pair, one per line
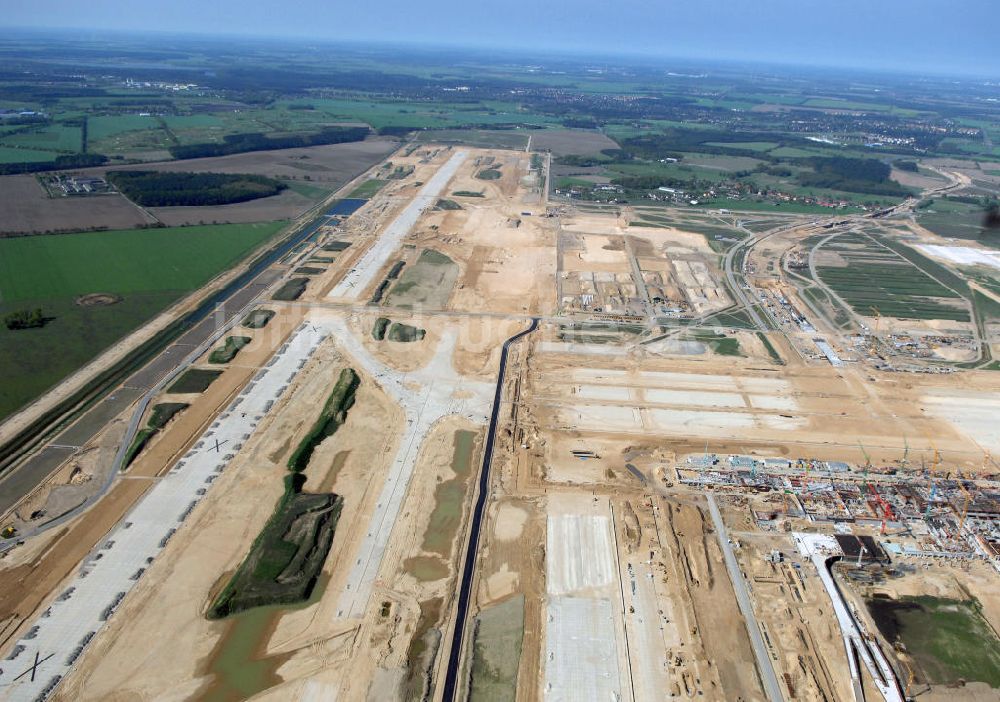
(827, 104)
(481, 138)
(10, 154)
(896, 289)
(796, 152)
(421, 115)
(765, 206)
(56, 137)
(725, 104)
(953, 226)
(99, 128)
(744, 145)
(148, 269)
(721, 163)
(681, 171)
(307, 190)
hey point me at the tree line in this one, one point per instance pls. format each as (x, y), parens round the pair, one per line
(243, 143)
(170, 189)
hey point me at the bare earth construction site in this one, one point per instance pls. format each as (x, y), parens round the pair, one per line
(476, 443)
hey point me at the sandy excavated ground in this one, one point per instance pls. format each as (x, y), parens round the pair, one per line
(318, 636)
(625, 588)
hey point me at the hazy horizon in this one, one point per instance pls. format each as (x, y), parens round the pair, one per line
(895, 36)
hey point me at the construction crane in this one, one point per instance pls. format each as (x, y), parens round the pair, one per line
(868, 460)
(930, 500)
(906, 454)
(884, 507)
(868, 465)
(878, 318)
(937, 455)
(965, 507)
(878, 325)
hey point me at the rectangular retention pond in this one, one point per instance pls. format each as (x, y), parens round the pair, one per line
(347, 206)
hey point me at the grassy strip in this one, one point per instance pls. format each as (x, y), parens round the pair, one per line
(405, 333)
(366, 189)
(383, 287)
(286, 558)
(228, 351)
(489, 174)
(276, 570)
(158, 418)
(496, 651)
(771, 351)
(719, 343)
(736, 320)
(333, 415)
(467, 193)
(400, 172)
(194, 380)
(336, 246)
(378, 331)
(291, 290)
(610, 327)
(258, 319)
(445, 204)
(380, 291)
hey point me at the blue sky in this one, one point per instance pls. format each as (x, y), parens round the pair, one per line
(934, 36)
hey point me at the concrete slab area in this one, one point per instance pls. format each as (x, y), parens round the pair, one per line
(578, 553)
(426, 396)
(585, 653)
(363, 274)
(581, 655)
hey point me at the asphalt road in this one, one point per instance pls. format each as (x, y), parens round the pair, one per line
(465, 590)
(767, 675)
